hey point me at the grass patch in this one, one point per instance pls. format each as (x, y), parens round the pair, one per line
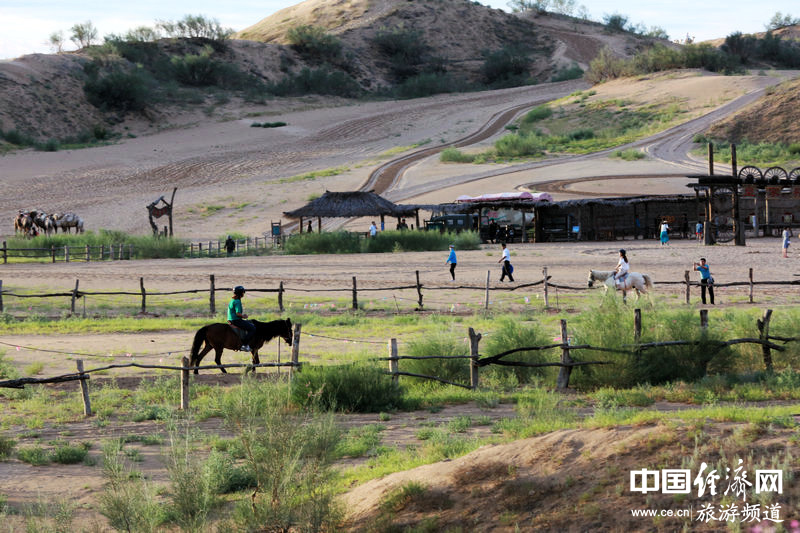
(310, 176)
(630, 154)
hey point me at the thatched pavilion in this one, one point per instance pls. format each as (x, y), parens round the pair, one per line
(351, 204)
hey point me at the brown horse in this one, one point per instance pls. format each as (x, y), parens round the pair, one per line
(220, 336)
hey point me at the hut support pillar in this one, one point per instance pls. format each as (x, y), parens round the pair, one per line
(524, 238)
(416, 217)
(319, 224)
(301, 224)
(708, 237)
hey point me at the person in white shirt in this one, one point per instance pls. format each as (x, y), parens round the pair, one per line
(664, 233)
(506, 260)
(373, 229)
(621, 272)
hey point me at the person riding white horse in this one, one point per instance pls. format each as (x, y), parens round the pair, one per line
(621, 272)
(641, 283)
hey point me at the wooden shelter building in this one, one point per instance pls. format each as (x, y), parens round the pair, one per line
(350, 204)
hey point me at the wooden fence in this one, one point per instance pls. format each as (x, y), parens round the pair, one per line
(474, 360)
(282, 290)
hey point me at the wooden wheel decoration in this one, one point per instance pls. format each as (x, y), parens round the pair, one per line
(795, 173)
(749, 172)
(775, 173)
(722, 220)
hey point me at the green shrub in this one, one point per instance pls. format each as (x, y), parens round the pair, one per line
(119, 90)
(537, 113)
(337, 242)
(7, 445)
(404, 48)
(794, 148)
(571, 72)
(419, 241)
(581, 134)
(33, 455)
(361, 388)
(197, 70)
(519, 145)
(267, 124)
(426, 84)
(511, 334)
(630, 154)
(321, 80)
(314, 42)
(68, 454)
(192, 492)
(506, 67)
(454, 155)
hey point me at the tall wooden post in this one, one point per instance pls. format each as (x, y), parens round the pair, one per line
(295, 351)
(563, 375)
(750, 275)
(5, 253)
(704, 319)
(419, 292)
(212, 298)
(393, 361)
(66, 253)
(1, 295)
(546, 295)
(474, 339)
(88, 253)
(171, 204)
(355, 295)
(486, 304)
(763, 334)
(280, 297)
(74, 297)
(637, 331)
(87, 406)
(185, 383)
(688, 285)
(144, 295)
(710, 159)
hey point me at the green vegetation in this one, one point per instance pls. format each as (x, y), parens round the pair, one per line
(571, 72)
(385, 241)
(763, 154)
(323, 80)
(454, 155)
(7, 446)
(144, 247)
(351, 388)
(404, 48)
(507, 67)
(267, 124)
(315, 43)
(631, 154)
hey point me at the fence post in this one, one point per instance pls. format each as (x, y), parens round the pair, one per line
(74, 296)
(704, 318)
(763, 334)
(212, 299)
(66, 253)
(474, 339)
(210, 248)
(393, 362)
(144, 296)
(5, 253)
(751, 285)
(566, 371)
(295, 351)
(280, 297)
(486, 303)
(688, 284)
(419, 292)
(130, 252)
(355, 295)
(185, 383)
(546, 297)
(247, 245)
(637, 331)
(87, 406)
(102, 252)
(88, 253)
(1, 295)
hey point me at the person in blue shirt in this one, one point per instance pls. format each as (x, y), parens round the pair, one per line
(706, 281)
(236, 317)
(453, 261)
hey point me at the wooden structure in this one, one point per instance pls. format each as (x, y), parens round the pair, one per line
(155, 211)
(349, 204)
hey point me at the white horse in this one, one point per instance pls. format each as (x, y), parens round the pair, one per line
(640, 283)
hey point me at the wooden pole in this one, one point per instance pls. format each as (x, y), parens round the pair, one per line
(710, 159)
(546, 295)
(66, 253)
(280, 297)
(688, 285)
(171, 204)
(53, 253)
(355, 295)
(212, 297)
(763, 334)
(419, 292)
(102, 252)
(5, 253)
(637, 330)
(87, 406)
(393, 362)
(144, 296)
(185, 383)
(751, 285)
(88, 253)
(130, 252)
(1, 295)
(486, 304)
(704, 318)
(74, 296)
(563, 375)
(474, 339)
(295, 351)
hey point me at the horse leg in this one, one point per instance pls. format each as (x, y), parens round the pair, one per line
(196, 360)
(255, 360)
(218, 359)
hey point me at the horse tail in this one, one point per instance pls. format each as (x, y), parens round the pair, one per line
(199, 337)
(648, 281)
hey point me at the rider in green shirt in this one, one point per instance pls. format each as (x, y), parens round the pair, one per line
(237, 317)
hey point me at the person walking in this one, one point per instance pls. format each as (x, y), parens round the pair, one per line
(706, 281)
(373, 229)
(698, 230)
(621, 272)
(787, 235)
(664, 233)
(453, 261)
(236, 317)
(230, 246)
(506, 260)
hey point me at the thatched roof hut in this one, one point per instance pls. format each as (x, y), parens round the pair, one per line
(348, 204)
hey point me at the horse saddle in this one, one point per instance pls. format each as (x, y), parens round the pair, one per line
(242, 333)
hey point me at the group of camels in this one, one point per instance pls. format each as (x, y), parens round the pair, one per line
(31, 223)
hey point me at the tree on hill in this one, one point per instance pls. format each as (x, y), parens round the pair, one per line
(780, 20)
(56, 41)
(83, 34)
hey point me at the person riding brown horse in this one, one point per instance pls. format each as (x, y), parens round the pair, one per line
(220, 336)
(236, 317)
